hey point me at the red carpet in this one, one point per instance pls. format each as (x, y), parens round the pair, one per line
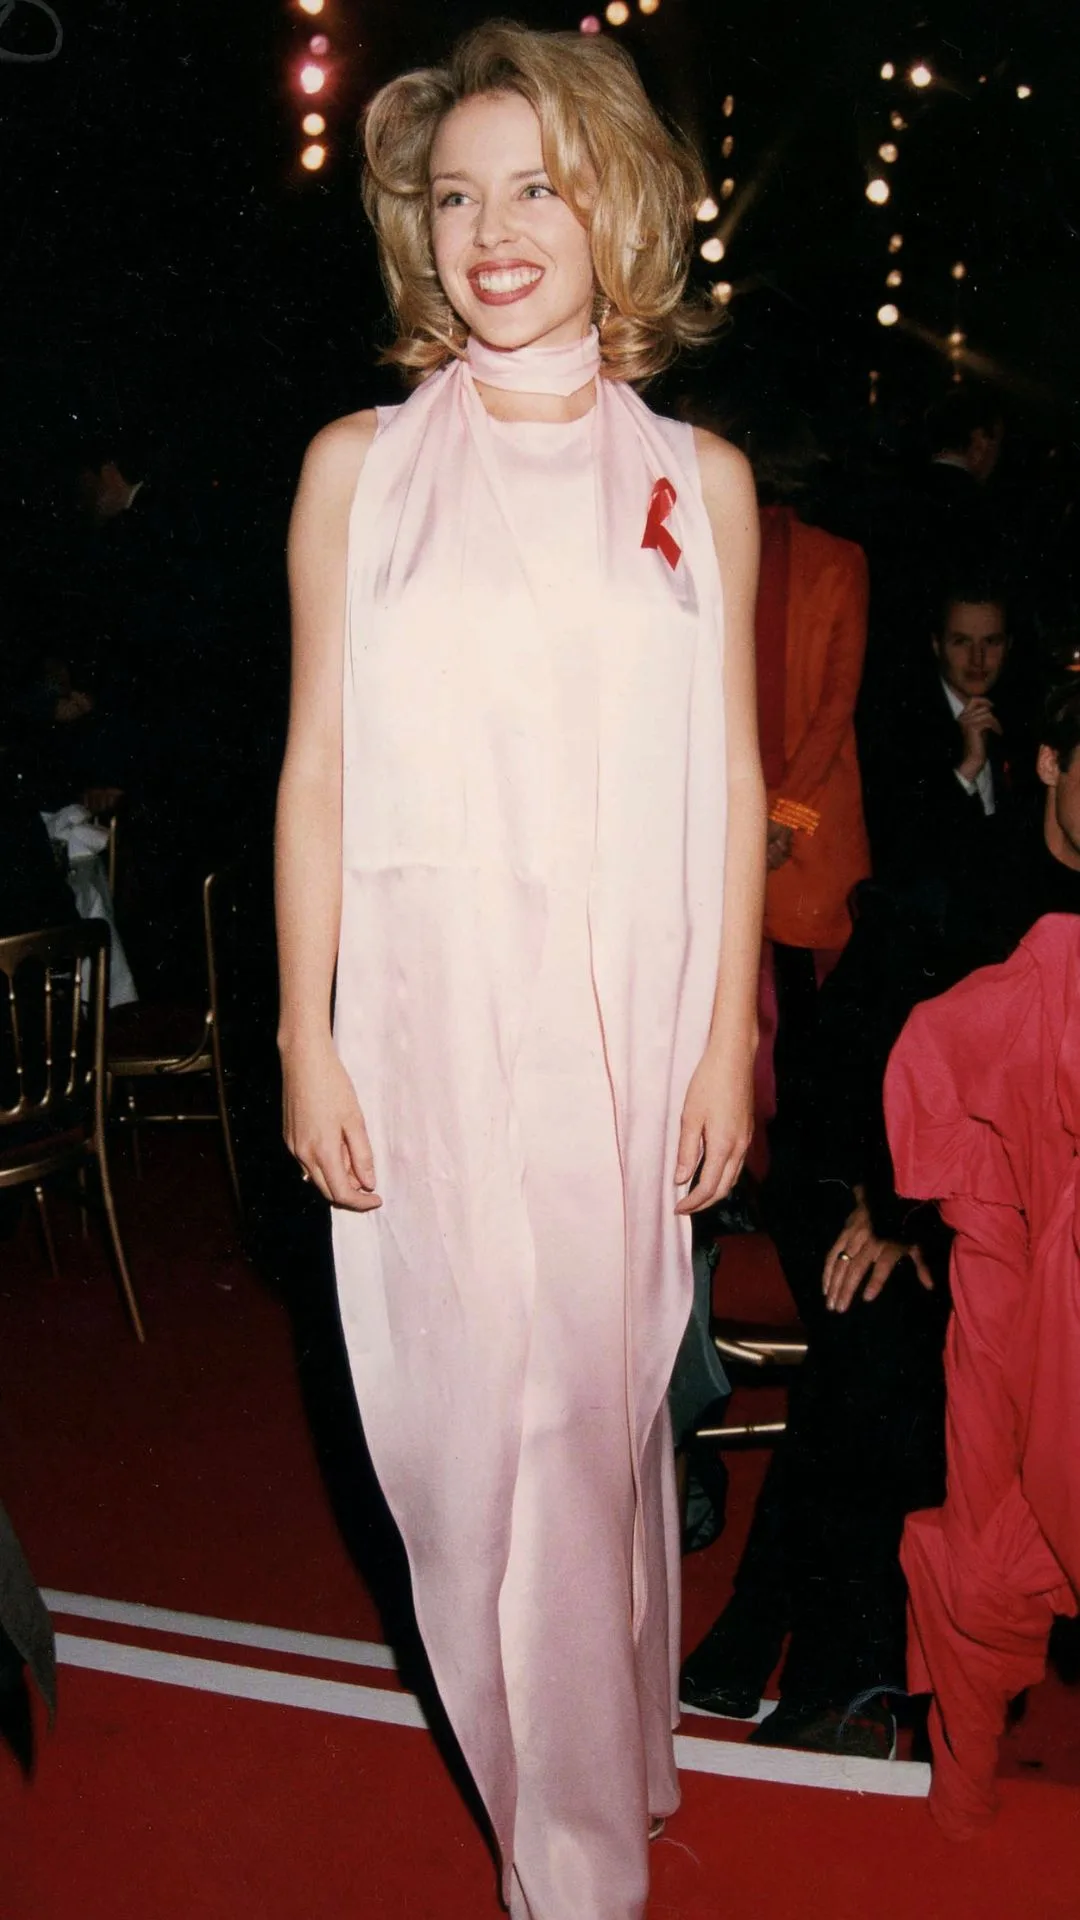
(183, 1476)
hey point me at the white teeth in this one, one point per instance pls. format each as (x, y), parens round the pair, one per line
(508, 279)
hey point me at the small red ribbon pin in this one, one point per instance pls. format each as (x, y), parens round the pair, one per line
(656, 534)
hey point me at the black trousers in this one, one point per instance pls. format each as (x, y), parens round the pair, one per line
(864, 1446)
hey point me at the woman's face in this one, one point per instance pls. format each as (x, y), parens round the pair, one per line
(513, 258)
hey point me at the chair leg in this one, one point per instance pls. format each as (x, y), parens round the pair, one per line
(46, 1229)
(117, 1243)
(226, 1136)
(83, 1214)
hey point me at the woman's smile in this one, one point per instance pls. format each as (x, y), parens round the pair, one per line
(496, 283)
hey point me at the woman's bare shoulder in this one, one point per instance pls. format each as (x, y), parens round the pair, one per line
(726, 479)
(337, 453)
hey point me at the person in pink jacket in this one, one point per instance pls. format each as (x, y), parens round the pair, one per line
(982, 1099)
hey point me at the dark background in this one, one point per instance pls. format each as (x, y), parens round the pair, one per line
(182, 296)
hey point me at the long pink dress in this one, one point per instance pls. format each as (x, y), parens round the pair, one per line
(530, 931)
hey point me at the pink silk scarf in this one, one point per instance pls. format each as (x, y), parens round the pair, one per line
(446, 862)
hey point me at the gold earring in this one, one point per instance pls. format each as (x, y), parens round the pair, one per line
(603, 314)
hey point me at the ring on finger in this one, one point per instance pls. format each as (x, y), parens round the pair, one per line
(844, 1256)
(303, 1175)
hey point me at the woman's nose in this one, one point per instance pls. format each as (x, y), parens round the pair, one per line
(493, 224)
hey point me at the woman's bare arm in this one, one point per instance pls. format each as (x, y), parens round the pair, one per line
(718, 1118)
(324, 1127)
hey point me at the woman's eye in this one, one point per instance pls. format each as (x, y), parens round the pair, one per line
(538, 189)
(454, 199)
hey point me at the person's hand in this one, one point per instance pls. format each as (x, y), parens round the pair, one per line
(857, 1252)
(324, 1127)
(778, 845)
(716, 1130)
(977, 720)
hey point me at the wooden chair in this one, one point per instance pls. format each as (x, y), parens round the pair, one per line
(757, 1353)
(148, 1042)
(53, 997)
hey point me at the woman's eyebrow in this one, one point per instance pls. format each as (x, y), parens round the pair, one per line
(522, 173)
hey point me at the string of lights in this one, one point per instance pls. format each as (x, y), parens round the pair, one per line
(921, 78)
(312, 77)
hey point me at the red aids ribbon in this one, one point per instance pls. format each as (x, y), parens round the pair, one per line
(656, 534)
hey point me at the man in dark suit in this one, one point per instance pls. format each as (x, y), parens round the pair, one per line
(935, 766)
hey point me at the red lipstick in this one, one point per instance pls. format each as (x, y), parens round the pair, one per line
(489, 296)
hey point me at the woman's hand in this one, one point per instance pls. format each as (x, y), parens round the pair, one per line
(778, 845)
(717, 1127)
(859, 1251)
(324, 1127)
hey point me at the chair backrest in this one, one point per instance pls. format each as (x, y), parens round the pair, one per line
(109, 817)
(53, 996)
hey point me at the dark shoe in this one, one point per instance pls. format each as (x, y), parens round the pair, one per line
(727, 1672)
(868, 1731)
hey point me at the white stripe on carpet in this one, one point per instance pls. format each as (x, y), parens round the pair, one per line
(241, 1683)
(237, 1633)
(849, 1774)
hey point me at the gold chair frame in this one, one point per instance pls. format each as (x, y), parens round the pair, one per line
(204, 1058)
(73, 1074)
(763, 1351)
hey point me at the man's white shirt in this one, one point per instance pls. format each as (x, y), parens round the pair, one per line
(983, 783)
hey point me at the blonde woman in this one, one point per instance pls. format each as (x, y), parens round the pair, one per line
(522, 815)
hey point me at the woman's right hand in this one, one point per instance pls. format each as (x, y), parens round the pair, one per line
(324, 1127)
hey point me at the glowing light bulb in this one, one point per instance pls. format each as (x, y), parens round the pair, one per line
(921, 75)
(312, 6)
(712, 248)
(728, 107)
(617, 14)
(312, 79)
(896, 241)
(727, 146)
(956, 338)
(958, 270)
(648, 6)
(727, 188)
(888, 152)
(1023, 93)
(897, 120)
(708, 209)
(877, 191)
(319, 43)
(313, 123)
(591, 24)
(888, 71)
(895, 278)
(888, 315)
(313, 157)
(722, 291)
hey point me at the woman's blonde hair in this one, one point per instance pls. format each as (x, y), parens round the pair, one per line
(634, 183)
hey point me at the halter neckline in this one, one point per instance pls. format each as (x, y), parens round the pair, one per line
(559, 370)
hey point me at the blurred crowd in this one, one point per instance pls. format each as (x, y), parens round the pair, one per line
(919, 706)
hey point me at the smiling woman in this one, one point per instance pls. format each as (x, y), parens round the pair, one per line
(522, 813)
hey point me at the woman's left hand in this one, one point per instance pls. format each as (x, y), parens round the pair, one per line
(717, 1127)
